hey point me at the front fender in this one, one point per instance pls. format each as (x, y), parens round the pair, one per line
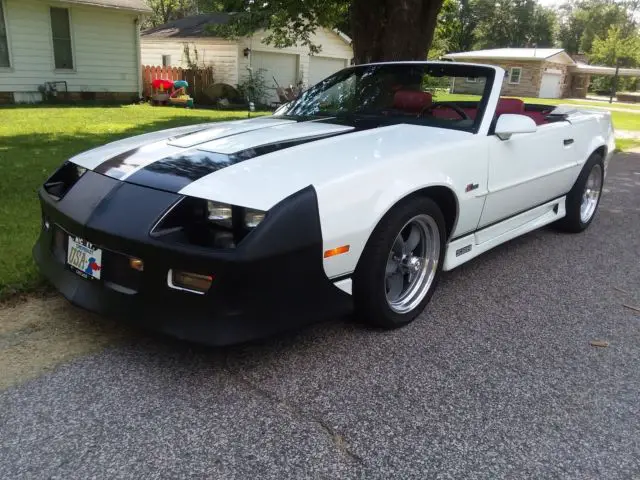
(351, 207)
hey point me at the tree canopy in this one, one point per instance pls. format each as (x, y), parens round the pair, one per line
(409, 29)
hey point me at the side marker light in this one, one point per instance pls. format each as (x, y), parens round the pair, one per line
(336, 251)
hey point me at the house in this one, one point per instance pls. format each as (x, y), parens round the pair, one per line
(89, 48)
(165, 45)
(535, 72)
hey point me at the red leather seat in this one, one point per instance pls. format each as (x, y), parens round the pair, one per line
(411, 101)
(509, 105)
(537, 117)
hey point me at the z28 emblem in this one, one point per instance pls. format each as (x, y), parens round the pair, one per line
(471, 186)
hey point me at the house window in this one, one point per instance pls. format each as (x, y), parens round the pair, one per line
(166, 60)
(61, 35)
(471, 79)
(514, 75)
(4, 43)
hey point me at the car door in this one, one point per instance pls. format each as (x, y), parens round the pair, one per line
(527, 170)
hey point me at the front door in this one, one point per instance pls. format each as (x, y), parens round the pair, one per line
(528, 170)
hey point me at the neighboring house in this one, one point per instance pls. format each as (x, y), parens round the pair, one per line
(165, 46)
(535, 72)
(92, 45)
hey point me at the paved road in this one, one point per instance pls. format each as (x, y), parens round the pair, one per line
(496, 380)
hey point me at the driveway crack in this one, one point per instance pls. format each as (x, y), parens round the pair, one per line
(338, 440)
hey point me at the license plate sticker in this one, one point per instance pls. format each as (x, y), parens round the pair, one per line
(84, 258)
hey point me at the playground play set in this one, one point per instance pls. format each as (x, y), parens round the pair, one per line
(169, 92)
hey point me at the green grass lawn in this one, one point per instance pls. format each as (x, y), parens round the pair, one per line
(34, 141)
(626, 144)
(578, 101)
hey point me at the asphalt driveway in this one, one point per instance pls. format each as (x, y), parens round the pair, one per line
(496, 380)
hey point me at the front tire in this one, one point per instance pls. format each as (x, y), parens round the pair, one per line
(584, 198)
(401, 264)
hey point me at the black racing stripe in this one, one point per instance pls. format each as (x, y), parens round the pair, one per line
(177, 171)
(112, 167)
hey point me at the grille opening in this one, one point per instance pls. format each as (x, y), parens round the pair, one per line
(187, 223)
(63, 179)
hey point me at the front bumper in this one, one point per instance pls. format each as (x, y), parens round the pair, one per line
(273, 281)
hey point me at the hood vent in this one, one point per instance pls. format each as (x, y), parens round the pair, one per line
(63, 180)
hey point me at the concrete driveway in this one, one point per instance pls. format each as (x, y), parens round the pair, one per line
(496, 380)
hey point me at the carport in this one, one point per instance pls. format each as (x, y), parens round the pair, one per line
(581, 78)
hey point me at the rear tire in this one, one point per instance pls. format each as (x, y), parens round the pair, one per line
(401, 264)
(584, 198)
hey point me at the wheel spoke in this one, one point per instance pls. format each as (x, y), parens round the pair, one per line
(395, 285)
(412, 263)
(591, 193)
(413, 239)
(398, 246)
(392, 266)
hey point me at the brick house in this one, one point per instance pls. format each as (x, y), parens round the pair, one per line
(530, 72)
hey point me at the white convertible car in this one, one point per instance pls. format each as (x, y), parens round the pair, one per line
(356, 195)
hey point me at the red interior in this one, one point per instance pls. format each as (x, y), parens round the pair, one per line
(413, 102)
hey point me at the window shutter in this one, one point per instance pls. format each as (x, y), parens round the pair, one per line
(4, 44)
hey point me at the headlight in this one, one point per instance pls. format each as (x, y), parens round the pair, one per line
(252, 218)
(220, 213)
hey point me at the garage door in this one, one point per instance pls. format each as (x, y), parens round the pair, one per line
(281, 66)
(321, 67)
(550, 85)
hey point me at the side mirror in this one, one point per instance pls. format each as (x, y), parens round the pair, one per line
(510, 123)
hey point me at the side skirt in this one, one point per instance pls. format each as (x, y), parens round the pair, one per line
(470, 246)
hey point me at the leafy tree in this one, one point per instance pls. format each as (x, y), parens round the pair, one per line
(616, 48)
(457, 23)
(515, 23)
(163, 11)
(465, 25)
(581, 21)
(380, 29)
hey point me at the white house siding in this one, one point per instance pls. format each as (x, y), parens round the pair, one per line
(103, 43)
(221, 54)
(332, 46)
(228, 59)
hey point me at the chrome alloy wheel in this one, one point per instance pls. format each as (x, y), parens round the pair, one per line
(412, 263)
(591, 193)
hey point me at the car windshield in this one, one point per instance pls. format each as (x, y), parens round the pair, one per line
(439, 94)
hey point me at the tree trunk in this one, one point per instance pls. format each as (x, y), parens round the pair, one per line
(387, 30)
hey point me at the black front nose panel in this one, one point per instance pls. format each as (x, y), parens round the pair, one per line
(83, 198)
(129, 213)
(97, 203)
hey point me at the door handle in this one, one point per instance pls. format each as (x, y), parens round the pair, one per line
(567, 141)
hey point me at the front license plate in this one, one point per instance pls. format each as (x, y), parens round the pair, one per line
(84, 258)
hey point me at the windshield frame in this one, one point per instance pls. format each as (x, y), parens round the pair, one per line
(441, 68)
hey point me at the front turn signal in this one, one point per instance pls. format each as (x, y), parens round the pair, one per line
(336, 251)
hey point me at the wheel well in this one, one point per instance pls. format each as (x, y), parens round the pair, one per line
(446, 200)
(602, 150)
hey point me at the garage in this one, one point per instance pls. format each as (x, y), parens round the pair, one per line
(551, 85)
(321, 67)
(282, 67)
(164, 46)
